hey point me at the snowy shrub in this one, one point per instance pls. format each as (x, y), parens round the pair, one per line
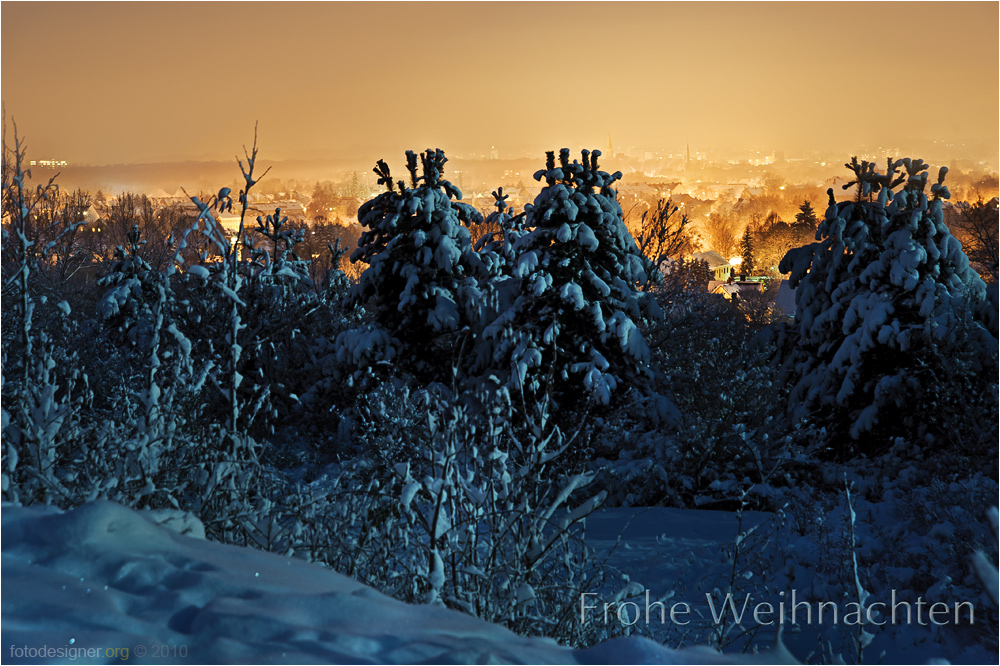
(277, 262)
(890, 315)
(576, 317)
(473, 517)
(903, 531)
(44, 390)
(718, 432)
(143, 436)
(758, 306)
(250, 311)
(388, 423)
(335, 281)
(499, 244)
(43, 429)
(751, 557)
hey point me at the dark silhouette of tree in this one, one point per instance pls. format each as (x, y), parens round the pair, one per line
(806, 217)
(322, 201)
(976, 226)
(59, 218)
(663, 235)
(721, 229)
(746, 252)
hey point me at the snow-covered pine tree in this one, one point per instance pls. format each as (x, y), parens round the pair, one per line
(579, 300)
(497, 260)
(893, 333)
(133, 286)
(280, 264)
(421, 273)
(496, 249)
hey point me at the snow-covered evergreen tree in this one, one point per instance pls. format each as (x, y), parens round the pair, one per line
(892, 327)
(497, 259)
(579, 300)
(497, 249)
(127, 305)
(279, 263)
(422, 273)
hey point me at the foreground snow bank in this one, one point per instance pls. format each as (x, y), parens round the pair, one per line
(87, 585)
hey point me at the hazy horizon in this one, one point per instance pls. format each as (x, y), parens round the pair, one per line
(95, 83)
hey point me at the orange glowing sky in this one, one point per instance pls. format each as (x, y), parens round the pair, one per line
(103, 83)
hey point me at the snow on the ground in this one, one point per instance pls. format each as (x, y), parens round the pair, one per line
(678, 556)
(661, 546)
(80, 584)
(685, 556)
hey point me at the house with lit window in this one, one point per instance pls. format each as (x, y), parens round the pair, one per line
(719, 266)
(733, 290)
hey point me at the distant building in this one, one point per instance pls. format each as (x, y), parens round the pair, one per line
(91, 215)
(229, 221)
(49, 164)
(719, 266)
(729, 290)
(293, 210)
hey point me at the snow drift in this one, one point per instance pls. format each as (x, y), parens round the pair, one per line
(80, 584)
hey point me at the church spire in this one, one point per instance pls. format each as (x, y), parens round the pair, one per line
(610, 151)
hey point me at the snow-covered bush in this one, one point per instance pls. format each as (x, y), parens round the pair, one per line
(903, 531)
(250, 310)
(44, 427)
(276, 260)
(387, 423)
(717, 432)
(508, 229)
(142, 436)
(889, 315)
(335, 281)
(575, 320)
(473, 515)
(44, 390)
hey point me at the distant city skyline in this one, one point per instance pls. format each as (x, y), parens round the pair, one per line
(96, 83)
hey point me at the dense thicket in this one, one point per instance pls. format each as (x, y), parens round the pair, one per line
(440, 424)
